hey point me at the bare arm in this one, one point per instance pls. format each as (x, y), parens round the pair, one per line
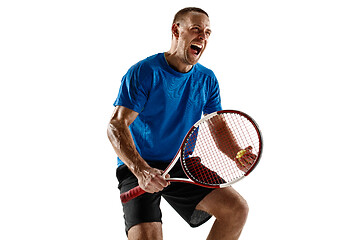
(223, 137)
(150, 179)
(226, 143)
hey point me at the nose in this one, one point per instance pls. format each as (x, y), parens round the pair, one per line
(203, 35)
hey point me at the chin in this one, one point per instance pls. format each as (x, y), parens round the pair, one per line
(193, 61)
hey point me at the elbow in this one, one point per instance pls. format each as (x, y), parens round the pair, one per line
(115, 131)
(111, 131)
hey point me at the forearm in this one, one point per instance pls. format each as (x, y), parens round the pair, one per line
(123, 144)
(149, 179)
(223, 137)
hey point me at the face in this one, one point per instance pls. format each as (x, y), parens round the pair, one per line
(193, 34)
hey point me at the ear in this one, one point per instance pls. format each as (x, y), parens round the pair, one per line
(175, 30)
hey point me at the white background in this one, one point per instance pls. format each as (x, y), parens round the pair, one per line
(291, 65)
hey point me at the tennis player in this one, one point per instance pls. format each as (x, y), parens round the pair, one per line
(160, 98)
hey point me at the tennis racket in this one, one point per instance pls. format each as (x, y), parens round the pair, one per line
(220, 149)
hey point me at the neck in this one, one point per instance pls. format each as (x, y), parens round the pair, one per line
(176, 63)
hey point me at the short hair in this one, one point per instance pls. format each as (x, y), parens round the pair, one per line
(187, 10)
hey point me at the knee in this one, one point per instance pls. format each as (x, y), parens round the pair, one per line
(144, 231)
(239, 210)
(227, 205)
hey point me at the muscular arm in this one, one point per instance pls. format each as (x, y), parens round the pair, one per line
(223, 137)
(226, 143)
(150, 179)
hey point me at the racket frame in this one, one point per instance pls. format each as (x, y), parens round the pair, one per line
(179, 155)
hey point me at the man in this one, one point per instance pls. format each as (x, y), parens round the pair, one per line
(160, 98)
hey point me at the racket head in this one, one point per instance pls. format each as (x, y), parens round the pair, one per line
(217, 155)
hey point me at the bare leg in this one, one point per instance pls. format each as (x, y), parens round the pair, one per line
(146, 231)
(230, 210)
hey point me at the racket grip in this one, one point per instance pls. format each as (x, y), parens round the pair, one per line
(132, 193)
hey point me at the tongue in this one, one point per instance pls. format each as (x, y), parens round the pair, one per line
(195, 50)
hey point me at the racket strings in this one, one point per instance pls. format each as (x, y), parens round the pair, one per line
(202, 173)
(212, 148)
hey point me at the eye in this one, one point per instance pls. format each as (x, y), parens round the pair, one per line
(196, 29)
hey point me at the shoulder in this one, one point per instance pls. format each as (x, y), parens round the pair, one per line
(200, 69)
(142, 72)
(147, 65)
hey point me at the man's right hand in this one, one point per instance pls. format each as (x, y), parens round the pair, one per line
(151, 180)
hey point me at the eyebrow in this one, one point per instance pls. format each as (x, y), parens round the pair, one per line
(197, 25)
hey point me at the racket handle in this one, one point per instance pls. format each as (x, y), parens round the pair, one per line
(132, 193)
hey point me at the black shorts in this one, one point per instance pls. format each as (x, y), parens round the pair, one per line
(183, 197)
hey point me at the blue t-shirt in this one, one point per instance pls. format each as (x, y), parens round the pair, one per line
(168, 103)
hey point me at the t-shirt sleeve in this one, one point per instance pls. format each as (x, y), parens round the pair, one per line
(213, 102)
(133, 91)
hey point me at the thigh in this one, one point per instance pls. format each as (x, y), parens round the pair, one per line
(223, 202)
(143, 209)
(184, 198)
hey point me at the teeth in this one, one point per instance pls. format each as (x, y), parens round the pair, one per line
(197, 45)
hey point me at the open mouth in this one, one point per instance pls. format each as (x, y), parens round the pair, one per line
(196, 47)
